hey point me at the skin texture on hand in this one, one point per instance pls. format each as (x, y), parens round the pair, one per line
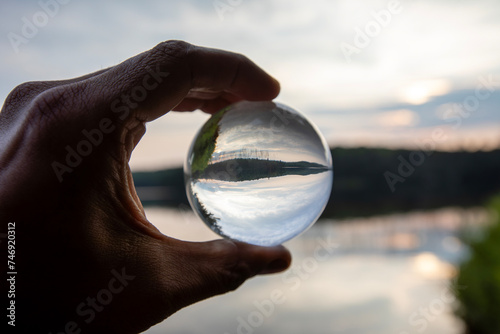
(87, 258)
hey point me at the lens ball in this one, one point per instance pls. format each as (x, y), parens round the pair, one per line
(258, 172)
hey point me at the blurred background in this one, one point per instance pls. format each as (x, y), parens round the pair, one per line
(406, 93)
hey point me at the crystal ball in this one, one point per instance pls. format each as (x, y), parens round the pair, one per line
(258, 172)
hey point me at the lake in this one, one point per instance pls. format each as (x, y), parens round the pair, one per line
(384, 274)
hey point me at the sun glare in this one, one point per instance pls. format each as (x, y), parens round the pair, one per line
(419, 92)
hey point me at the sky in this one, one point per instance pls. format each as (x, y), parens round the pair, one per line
(409, 73)
(278, 134)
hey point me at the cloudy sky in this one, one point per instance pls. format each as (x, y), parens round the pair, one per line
(378, 73)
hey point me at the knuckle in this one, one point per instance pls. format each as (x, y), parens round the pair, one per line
(24, 92)
(38, 104)
(54, 104)
(172, 49)
(233, 278)
(50, 101)
(241, 58)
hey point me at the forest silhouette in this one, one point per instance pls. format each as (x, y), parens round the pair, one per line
(362, 186)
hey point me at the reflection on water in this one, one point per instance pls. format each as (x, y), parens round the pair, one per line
(379, 275)
(258, 172)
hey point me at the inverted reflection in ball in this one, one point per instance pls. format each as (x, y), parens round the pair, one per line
(258, 172)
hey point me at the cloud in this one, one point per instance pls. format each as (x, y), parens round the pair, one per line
(427, 54)
(395, 118)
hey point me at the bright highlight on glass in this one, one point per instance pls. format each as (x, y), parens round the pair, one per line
(258, 172)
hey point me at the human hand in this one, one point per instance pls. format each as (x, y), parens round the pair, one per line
(87, 257)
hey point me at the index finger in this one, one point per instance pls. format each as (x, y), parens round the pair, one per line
(231, 72)
(154, 82)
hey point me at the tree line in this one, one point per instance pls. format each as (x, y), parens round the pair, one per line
(374, 181)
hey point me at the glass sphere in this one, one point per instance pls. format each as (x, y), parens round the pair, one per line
(258, 172)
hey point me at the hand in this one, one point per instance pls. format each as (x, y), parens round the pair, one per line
(87, 258)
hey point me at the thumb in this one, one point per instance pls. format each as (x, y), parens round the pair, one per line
(219, 266)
